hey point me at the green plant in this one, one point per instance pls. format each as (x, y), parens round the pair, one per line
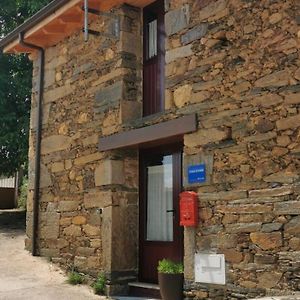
(75, 278)
(22, 199)
(99, 285)
(169, 267)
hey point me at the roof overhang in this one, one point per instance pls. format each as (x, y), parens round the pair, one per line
(57, 21)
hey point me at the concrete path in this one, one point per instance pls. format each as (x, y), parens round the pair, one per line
(23, 277)
(132, 298)
(292, 297)
(30, 278)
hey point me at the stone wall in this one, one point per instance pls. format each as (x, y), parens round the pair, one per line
(236, 63)
(85, 194)
(233, 62)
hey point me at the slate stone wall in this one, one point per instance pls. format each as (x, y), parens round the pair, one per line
(88, 198)
(235, 63)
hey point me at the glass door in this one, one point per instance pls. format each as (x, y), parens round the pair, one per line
(160, 233)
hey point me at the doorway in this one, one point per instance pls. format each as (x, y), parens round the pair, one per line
(160, 186)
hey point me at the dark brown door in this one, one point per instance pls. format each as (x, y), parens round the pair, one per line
(154, 58)
(160, 233)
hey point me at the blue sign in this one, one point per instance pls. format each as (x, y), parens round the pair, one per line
(197, 174)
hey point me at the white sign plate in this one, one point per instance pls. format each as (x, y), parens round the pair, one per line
(210, 268)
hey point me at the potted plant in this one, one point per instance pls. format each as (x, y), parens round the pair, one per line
(170, 278)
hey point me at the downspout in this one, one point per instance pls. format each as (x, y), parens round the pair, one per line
(37, 162)
(86, 20)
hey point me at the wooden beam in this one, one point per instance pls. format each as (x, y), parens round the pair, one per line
(40, 38)
(71, 19)
(108, 4)
(71, 15)
(139, 3)
(19, 49)
(43, 41)
(54, 28)
(53, 35)
(46, 21)
(51, 17)
(70, 27)
(10, 47)
(159, 132)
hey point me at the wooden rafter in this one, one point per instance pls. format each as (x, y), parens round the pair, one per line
(65, 21)
(70, 19)
(54, 28)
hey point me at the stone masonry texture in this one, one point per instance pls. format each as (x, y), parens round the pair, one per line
(235, 63)
(87, 198)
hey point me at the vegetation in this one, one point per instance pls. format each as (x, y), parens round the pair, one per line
(75, 278)
(15, 89)
(99, 285)
(170, 267)
(22, 200)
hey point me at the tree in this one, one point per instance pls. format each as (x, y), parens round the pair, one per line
(15, 89)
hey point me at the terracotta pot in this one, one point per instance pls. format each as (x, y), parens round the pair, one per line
(171, 286)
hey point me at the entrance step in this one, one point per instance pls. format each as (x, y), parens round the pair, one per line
(133, 298)
(142, 289)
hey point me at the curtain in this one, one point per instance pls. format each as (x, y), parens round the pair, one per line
(152, 39)
(160, 199)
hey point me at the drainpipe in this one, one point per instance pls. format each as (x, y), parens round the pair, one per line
(37, 161)
(86, 20)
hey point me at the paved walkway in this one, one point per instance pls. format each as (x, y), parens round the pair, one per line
(24, 277)
(132, 298)
(30, 278)
(294, 297)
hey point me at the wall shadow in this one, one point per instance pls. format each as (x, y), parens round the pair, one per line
(12, 222)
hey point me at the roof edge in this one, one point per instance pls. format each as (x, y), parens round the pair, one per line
(32, 21)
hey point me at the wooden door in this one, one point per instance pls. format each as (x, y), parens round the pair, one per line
(154, 58)
(160, 233)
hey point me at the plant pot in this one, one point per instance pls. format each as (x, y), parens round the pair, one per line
(171, 286)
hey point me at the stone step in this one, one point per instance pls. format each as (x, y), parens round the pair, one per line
(144, 285)
(133, 298)
(144, 290)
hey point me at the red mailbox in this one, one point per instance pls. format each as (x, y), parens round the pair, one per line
(188, 209)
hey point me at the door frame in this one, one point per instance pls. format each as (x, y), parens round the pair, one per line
(176, 150)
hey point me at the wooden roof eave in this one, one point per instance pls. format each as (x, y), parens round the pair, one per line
(47, 30)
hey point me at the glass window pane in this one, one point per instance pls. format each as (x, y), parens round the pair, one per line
(160, 201)
(152, 42)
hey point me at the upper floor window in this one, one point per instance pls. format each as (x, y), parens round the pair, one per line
(154, 58)
(152, 39)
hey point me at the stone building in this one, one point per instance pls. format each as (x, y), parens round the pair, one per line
(160, 87)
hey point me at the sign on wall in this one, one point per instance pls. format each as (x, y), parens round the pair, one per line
(196, 173)
(210, 268)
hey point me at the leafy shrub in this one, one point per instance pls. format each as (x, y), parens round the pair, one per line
(75, 278)
(22, 199)
(99, 285)
(170, 267)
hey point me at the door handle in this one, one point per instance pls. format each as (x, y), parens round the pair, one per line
(171, 211)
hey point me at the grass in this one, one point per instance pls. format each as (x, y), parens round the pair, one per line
(99, 285)
(75, 278)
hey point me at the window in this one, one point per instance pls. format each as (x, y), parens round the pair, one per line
(154, 58)
(152, 40)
